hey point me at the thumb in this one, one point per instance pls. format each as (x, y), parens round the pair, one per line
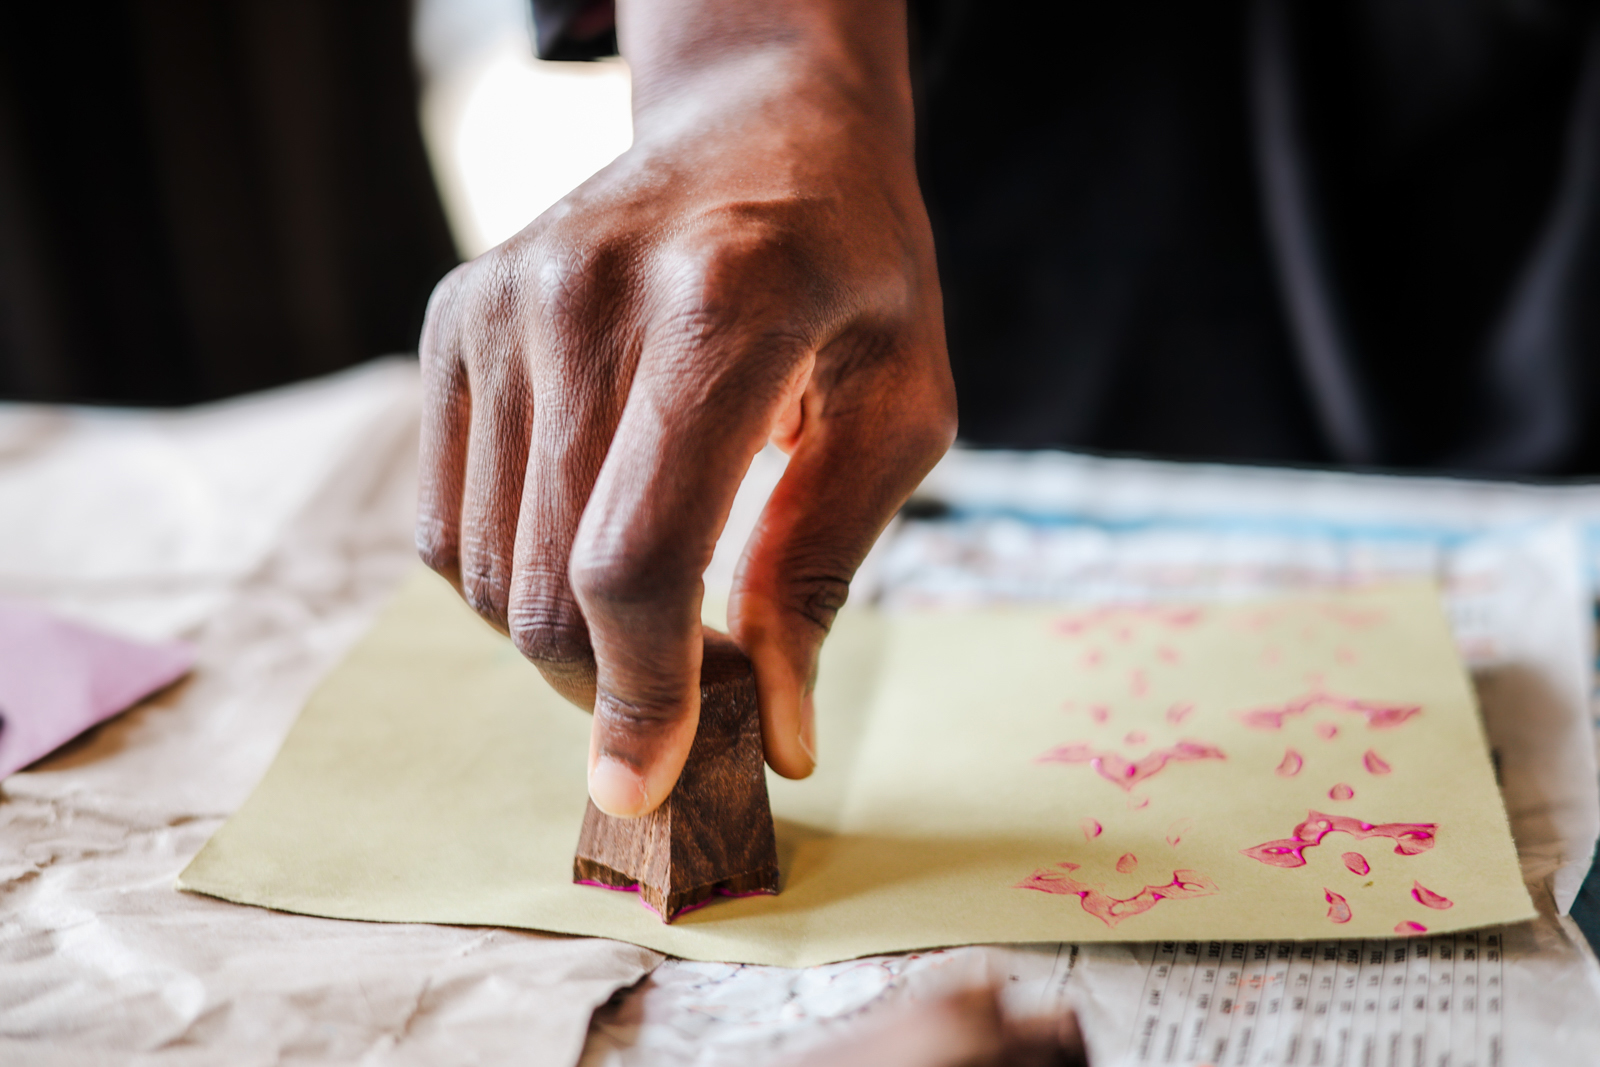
(845, 481)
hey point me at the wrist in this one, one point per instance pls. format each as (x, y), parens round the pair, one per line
(694, 59)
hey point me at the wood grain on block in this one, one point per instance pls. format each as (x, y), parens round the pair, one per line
(713, 835)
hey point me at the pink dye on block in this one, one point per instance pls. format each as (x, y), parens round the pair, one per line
(1127, 862)
(1341, 792)
(1375, 763)
(1112, 910)
(1091, 829)
(1428, 898)
(1292, 762)
(1114, 767)
(1410, 838)
(1356, 862)
(1178, 829)
(1327, 731)
(1379, 716)
(634, 888)
(1410, 929)
(1338, 907)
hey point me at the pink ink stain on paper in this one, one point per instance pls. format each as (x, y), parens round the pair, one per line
(1356, 863)
(1292, 762)
(1093, 657)
(1126, 863)
(1338, 907)
(1355, 618)
(1091, 829)
(1138, 682)
(1271, 656)
(1099, 712)
(1135, 803)
(1124, 618)
(1375, 764)
(1428, 898)
(1178, 830)
(1410, 838)
(1379, 716)
(1135, 737)
(1327, 731)
(1410, 929)
(1344, 654)
(1179, 712)
(1111, 910)
(1167, 654)
(1114, 767)
(1341, 792)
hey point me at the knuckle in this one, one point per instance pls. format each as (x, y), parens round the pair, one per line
(549, 631)
(484, 588)
(436, 549)
(616, 584)
(815, 595)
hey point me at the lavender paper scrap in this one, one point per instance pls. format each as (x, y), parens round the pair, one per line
(59, 678)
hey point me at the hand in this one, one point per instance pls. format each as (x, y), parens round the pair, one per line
(758, 266)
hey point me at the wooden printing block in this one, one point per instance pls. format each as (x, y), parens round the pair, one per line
(713, 834)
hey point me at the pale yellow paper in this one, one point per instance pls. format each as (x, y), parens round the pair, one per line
(435, 778)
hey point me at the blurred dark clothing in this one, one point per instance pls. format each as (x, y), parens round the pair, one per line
(1358, 232)
(204, 197)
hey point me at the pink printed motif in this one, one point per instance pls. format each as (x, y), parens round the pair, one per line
(1292, 762)
(1112, 910)
(1428, 898)
(1167, 654)
(1410, 929)
(1178, 829)
(1099, 712)
(1138, 683)
(1124, 616)
(1379, 716)
(1179, 712)
(1338, 907)
(1356, 862)
(1410, 838)
(1375, 763)
(1091, 829)
(1114, 767)
(1327, 731)
(1126, 863)
(1135, 737)
(1341, 792)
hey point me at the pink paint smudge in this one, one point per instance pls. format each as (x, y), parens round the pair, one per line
(1327, 731)
(1410, 929)
(1112, 910)
(1428, 898)
(1093, 657)
(1179, 712)
(1135, 803)
(1126, 863)
(1178, 830)
(1099, 713)
(1338, 907)
(1138, 683)
(1344, 654)
(1114, 767)
(1167, 654)
(1378, 716)
(1341, 792)
(1091, 829)
(1410, 838)
(1135, 737)
(1375, 763)
(1292, 762)
(1356, 863)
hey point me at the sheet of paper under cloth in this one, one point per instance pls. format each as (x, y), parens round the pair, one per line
(1279, 769)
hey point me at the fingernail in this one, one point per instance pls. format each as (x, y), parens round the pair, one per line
(808, 727)
(617, 789)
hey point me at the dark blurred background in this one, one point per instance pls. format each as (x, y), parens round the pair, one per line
(200, 198)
